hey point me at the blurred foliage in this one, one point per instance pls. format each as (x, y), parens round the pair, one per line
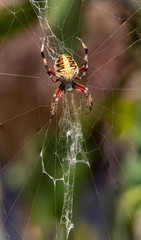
(129, 202)
(16, 17)
(68, 23)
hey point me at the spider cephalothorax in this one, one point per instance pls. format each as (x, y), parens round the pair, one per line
(66, 70)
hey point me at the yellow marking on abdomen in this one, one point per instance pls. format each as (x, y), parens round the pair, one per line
(66, 68)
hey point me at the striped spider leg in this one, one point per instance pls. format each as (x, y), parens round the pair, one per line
(66, 70)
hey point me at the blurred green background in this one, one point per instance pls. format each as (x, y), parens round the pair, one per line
(107, 197)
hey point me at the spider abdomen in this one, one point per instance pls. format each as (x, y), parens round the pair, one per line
(66, 68)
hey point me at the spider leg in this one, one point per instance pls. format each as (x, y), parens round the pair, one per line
(54, 103)
(78, 78)
(84, 89)
(49, 71)
(85, 66)
(56, 80)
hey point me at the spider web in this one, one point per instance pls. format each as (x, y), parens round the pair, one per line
(95, 151)
(70, 142)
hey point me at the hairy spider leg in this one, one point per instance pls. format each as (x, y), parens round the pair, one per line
(55, 99)
(56, 80)
(49, 71)
(81, 88)
(78, 78)
(58, 92)
(85, 66)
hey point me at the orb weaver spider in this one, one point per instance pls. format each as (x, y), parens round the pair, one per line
(66, 70)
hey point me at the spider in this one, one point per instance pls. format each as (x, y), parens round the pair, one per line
(66, 70)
